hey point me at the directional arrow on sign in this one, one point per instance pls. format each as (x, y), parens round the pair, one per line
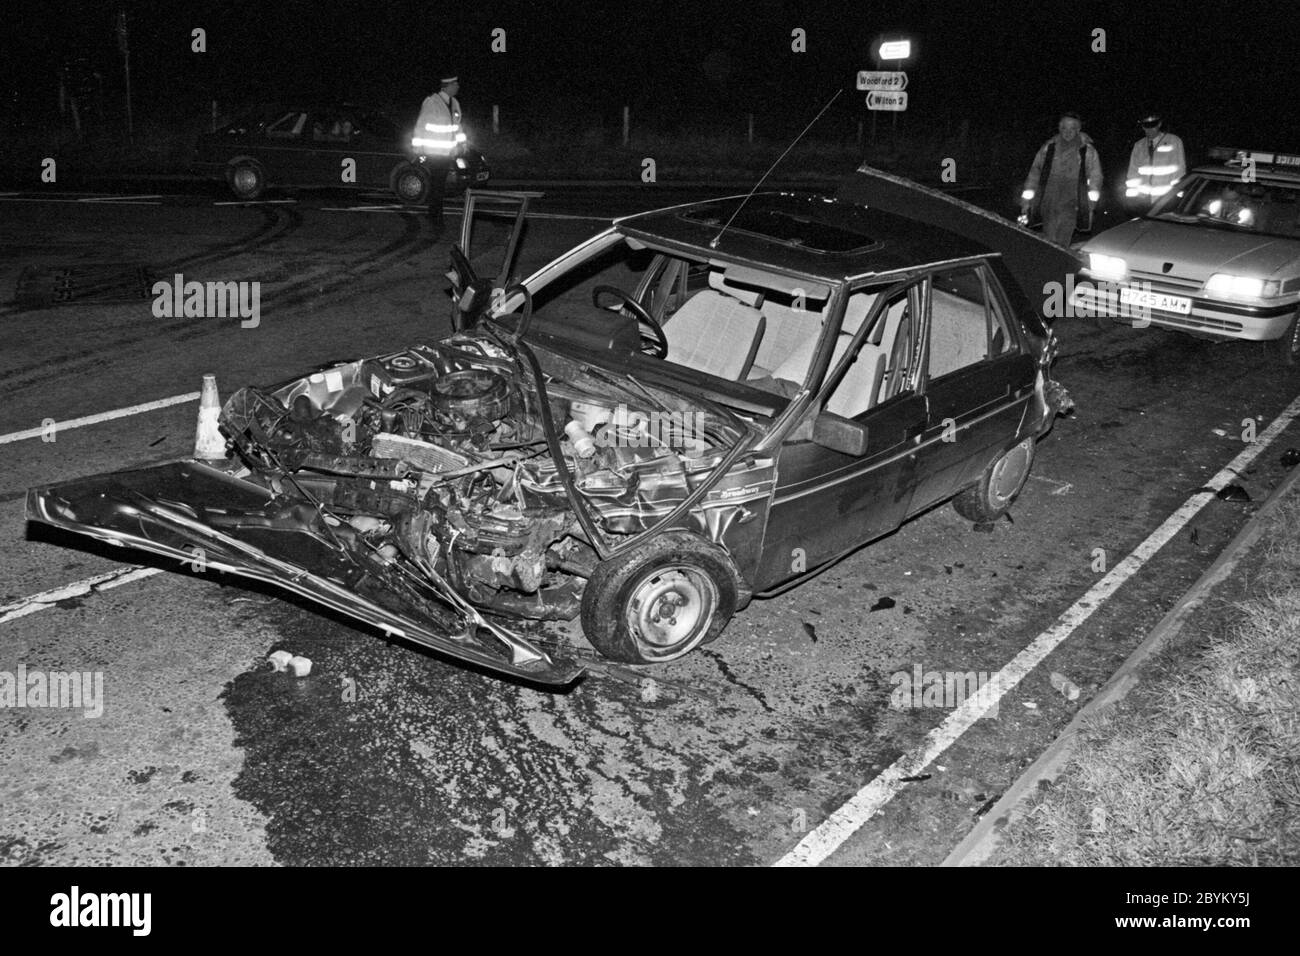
(887, 100)
(882, 80)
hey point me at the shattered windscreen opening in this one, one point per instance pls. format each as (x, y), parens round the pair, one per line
(787, 227)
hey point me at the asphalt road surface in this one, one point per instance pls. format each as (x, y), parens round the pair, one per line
(739, 754)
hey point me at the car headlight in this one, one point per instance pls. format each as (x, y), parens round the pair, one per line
(1106, 267)
(1241, 287)
(460, 164)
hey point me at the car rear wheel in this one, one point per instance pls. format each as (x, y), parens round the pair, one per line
(661, 600)
(246, 179)
(1287, 348)
(411, 184)
(991, 497)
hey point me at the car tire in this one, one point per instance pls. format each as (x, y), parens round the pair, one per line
(992, 496)
(1287, 348)
(247, 179)
(410, 184)
(676, 575)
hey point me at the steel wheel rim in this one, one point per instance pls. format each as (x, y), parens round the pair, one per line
(408, 185)
(672, 608)
(1009, 473)
(245, 179)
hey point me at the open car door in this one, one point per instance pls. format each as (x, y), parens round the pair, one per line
(496, 218)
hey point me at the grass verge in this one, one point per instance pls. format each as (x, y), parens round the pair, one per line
(1200, 765)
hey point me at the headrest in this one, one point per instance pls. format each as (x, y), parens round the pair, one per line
(752, 298)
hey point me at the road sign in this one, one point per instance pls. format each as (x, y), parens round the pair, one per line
(882, 80)
(896, 50)
(887, 100)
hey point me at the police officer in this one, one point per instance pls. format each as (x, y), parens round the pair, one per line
(439, 137)
(1064, 183)
(1155, 164)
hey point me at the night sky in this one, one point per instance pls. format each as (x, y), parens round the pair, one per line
(1220, 71)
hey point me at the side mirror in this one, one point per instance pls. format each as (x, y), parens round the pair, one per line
(840, 434)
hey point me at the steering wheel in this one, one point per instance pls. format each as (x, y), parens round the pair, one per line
(656, 345)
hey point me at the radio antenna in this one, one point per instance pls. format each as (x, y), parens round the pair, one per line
(713, 243)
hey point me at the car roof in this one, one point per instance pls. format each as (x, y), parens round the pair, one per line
(830, 239)
(1263, 173)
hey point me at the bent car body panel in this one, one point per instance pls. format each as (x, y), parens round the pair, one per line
(206, 518)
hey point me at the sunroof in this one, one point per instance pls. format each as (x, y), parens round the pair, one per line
(788, 227)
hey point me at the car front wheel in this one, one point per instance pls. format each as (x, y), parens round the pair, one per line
(411, 184)
(1287, 348)
(991, 497)
(661, 600)
(247, 180)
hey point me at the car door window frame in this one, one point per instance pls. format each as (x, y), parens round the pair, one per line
(295, 133)
(916, 289)
(992, 293)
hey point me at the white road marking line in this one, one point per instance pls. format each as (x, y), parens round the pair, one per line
(101, 417)
(256, 202)
(393, 207)
(828, 836)
(100, 582)
(420, 210)
(125, 202)
(122, 198)
(558, 215)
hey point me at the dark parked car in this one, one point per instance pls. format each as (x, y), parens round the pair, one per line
(696, 406)
(309, 146)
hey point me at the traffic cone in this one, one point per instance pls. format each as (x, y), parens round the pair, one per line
(208, 443)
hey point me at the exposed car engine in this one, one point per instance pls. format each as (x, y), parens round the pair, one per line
(437, 456)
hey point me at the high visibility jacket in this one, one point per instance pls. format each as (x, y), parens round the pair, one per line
(437, 131)
(1054, 160)
(1154, 166)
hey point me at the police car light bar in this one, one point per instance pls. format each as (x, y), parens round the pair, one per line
(1239, 157)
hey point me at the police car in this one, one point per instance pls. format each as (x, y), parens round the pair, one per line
(1218, 257)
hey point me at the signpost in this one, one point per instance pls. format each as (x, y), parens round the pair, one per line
(882, 80)
(895, 49)
(886, 96)
(889, 101)
(124, 44)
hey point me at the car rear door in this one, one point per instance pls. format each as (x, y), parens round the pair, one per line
(331, 162)
(979, 375)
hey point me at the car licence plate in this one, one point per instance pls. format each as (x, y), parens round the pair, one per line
(1146, 299)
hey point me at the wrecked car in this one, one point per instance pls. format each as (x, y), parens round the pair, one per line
(697, 406)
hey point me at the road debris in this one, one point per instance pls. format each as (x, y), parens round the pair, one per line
(1066, 686)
